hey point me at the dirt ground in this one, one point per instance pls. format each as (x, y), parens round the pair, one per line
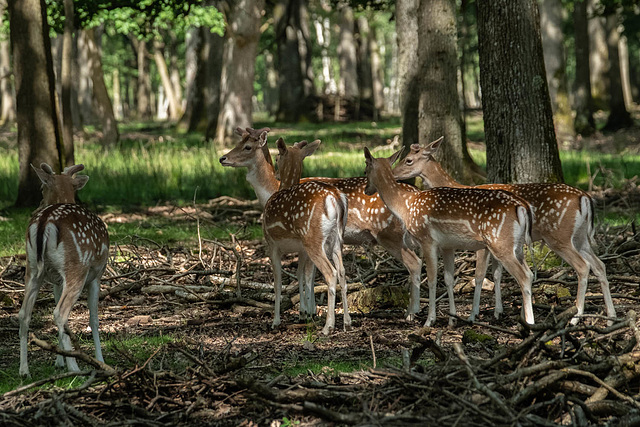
(220, 363)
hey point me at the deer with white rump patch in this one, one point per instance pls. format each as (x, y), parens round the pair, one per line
(445, 219)
(69, 246)
(308, 218)
(562, 217)
(369, 220)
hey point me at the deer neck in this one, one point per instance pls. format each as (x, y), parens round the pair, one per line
(394, 195)
(434, 175)
(262, 178)
(290, 174)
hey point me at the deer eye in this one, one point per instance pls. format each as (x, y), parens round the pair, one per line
(247, 147)
(408, 161)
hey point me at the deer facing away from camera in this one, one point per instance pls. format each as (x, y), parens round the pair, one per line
(369, 220)
(445, 219)
(308, 218)
(562, 217)
(68, 245)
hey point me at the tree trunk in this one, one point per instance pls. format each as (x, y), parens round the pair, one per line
(625, 72)
(554, 59)
(165, 78)
(238, 66)
(365, 76)
(377, 75)
(66, 81)
(583, 123)
(85, 85)
(271, 91)
(439, 108)
(196, 55)
(7, 99)
(323, 35)
(144, 80)
(347, 55)
(619, 117)
(176, 82)
(102, 101)
(598, 57)
(214, 83)
(408, 81)
(39, 138)
(521, 142)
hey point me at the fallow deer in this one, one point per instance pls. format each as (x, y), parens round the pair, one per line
(444, 219)
(68, 245)
(563, 218)
(308, 218)
(369, 221)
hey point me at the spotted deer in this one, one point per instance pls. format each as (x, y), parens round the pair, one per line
(368, 221)
(308, 218)
(563, 218)
(445, 219)
(69, 246)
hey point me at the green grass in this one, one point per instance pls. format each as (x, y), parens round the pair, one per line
(303, 367)
(13, 226)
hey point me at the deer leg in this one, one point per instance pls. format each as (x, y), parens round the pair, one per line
(73, 282)
(276, 264)
(518, 268)
(482, 260)
(497, 290)
(430, 253)
(598, 268)
(448, 259)
(568, 252)
(32, 287)
(57, 292)
(412, 262)
(342, 279)
(304, 286)
(329, 272)
(92, 301)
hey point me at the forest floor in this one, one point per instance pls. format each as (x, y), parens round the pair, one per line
(187, 349)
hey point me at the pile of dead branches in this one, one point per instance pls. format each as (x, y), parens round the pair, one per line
(557, 374)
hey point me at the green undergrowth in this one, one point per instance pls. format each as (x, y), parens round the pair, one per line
(331, 367)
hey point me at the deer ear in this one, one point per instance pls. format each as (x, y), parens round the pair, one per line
(367, 155)
(80, 181)
(310, 148)
(239, 131)
(392, 159)
(70, 170)
(282, 147)
(44, 172)
(263, 139)
(432, 147)
(415, 148)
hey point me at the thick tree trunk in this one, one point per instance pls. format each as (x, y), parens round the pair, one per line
(521, 142)
(85, 85)
(196, 56)
(102, 101)
(7, 97)
(165, 78)
(238, 66)
(174, 71)
(214, 83)
(365, 76)
(583, 122)
(66, 81)
(408, 81)
(554, 59)
(347, 55)
(271, 91)
(619, 117)
(377, 75)
(598, 57)
(439, 101)
(143, 92)
(39, 138)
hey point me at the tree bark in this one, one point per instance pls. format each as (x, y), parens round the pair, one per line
(238, 66)
(439, 108)
(362, 34)
(214, 83)
(377, 74)
(323, 35)
(598, 56)
(85, 85)
(102, 101)
(174, 71)
(583, 122)
(66, 82)
(408, 81)
(347, 55)
(521, 142)
(144, 80)
(165, 78)
(619, 117)
(555, 64)
(7, 96)
(39, 138)
(197, 51)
